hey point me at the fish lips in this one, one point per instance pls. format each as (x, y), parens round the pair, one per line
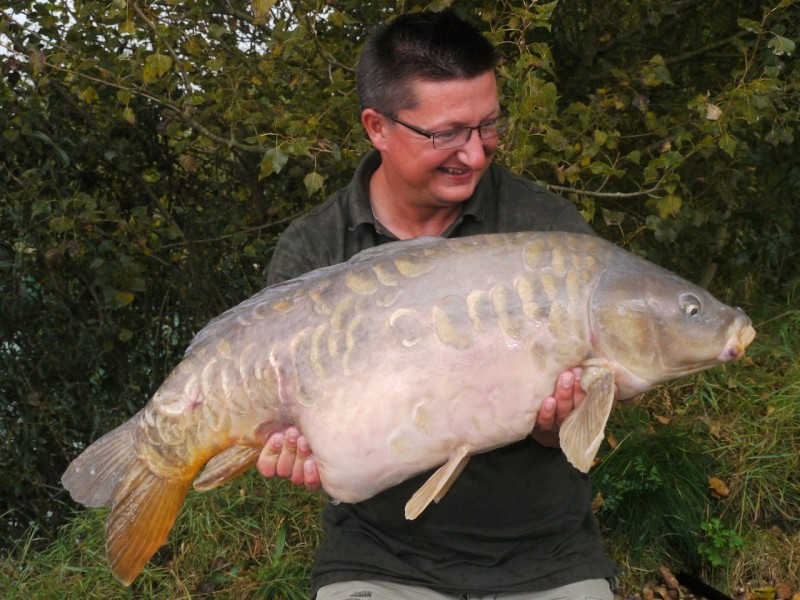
(738, 342)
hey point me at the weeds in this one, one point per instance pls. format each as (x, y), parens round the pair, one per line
(719, 543)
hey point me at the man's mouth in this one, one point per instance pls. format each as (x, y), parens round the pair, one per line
(451, 171)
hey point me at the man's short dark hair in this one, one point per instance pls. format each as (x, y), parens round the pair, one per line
(432, 46)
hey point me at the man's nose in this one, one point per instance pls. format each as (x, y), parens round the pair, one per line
(474, 153)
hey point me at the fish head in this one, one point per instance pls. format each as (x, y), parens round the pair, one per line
(654, 326)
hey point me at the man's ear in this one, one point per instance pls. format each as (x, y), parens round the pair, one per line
(375, 125)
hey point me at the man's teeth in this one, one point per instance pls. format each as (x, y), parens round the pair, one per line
(453, 171)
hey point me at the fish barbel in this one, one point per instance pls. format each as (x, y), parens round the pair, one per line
(411, 355)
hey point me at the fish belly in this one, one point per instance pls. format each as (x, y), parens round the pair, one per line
(410, 411)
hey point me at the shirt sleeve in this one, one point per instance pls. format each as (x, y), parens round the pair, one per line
(291, 257)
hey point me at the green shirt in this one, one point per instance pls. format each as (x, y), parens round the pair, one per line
(518, 518)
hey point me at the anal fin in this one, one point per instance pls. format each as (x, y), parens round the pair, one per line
(437, 484)
(226, 465)
(582, 432)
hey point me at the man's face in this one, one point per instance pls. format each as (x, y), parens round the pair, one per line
(420, 174)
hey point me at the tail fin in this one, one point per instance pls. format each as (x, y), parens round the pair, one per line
(94, 476)
(145, 506)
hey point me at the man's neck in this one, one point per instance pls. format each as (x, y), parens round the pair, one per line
(406, 220)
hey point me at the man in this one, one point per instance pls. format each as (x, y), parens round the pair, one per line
(518, 522)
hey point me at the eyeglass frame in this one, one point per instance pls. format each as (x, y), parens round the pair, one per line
(431, 135)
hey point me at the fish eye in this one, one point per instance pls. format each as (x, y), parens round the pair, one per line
(690, 305)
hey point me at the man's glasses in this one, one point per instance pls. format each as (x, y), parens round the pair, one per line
(453, 138)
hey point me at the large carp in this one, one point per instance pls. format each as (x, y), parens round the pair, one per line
(411, 355)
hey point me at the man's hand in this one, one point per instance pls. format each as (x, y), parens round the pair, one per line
(288, 455)
(567, 396)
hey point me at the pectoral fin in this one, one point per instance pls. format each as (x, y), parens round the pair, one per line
(225, 466)
(437, 485)
(582, 432)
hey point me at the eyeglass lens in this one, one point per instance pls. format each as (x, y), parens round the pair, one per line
(453, 138)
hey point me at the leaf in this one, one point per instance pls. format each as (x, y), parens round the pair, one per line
(193, 45)
(155, 66)
(274, 160)
(261, 9)
(668, 206)
(127, 27)
(439, 5)
(313, 182)
(61, 224)
(749, 25)
(728, 143)
(129, 115)
(713, 112)
(188, 163)
(781, 45)
(123, 298)
(655, 72)
(718, 488)
(89, 95)
(764, 593)
(600, 137)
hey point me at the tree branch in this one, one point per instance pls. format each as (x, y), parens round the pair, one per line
(559, 188)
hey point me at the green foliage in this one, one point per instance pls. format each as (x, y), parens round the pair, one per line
(673, 127)
(153, 151)
(652, 487)
(720, 542)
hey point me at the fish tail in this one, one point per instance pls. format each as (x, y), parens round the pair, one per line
(144, 504)
(93, 477)
(145, 509)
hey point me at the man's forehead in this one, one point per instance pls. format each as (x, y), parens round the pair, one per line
(447, 97)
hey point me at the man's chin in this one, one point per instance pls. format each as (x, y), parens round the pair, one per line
(455, 194)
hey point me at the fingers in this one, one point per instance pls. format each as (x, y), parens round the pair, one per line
(311, 477)
(268, 458)
(567, 396)
(546, 419)
(564, 394)
(288, 454)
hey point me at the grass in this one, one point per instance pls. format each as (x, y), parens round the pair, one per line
(251, 539)
(739, 423)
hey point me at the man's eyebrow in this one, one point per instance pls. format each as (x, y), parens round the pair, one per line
(496, 114)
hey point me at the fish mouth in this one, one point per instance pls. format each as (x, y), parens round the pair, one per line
(736, 345)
